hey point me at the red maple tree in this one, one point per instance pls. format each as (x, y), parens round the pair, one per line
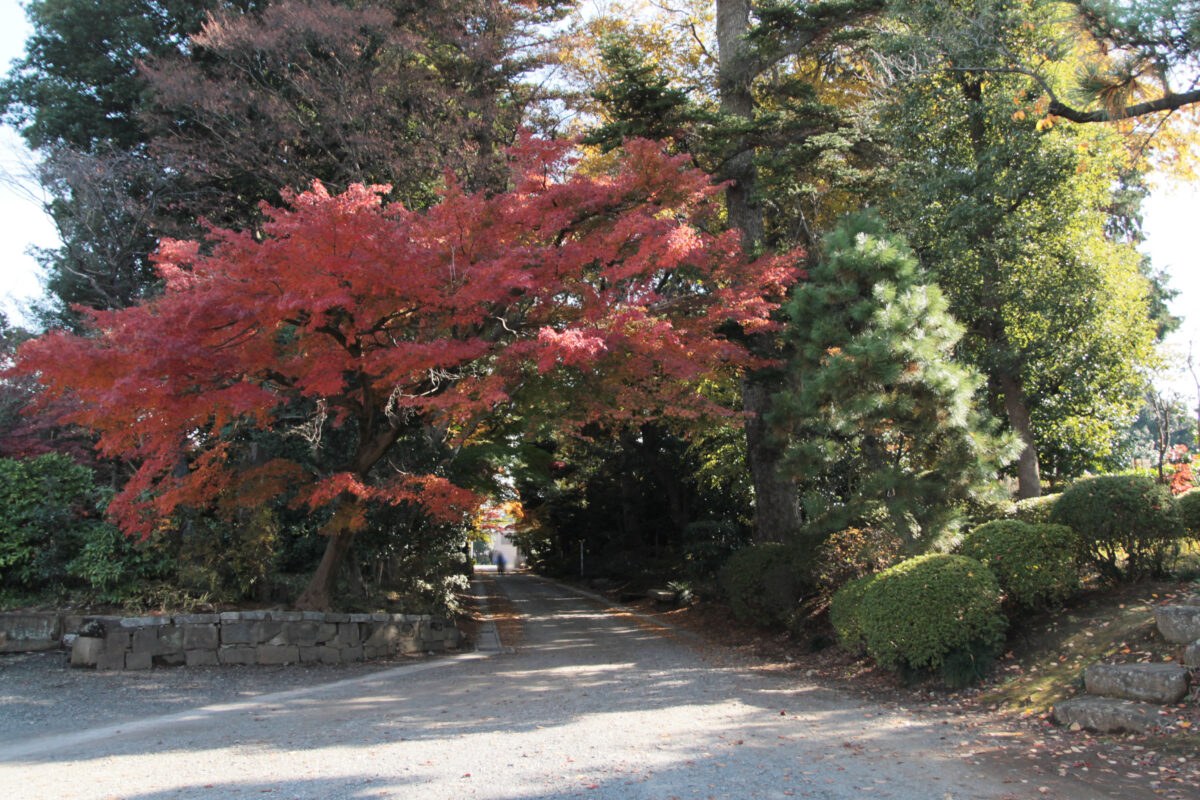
(606, 291)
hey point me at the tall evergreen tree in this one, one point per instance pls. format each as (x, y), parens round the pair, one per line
(879, 418)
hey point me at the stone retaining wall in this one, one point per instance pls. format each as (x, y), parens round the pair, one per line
(254, 637)
(32, 631)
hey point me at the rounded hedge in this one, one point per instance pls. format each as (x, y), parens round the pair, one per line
(843, 612)
(924, 610)
(1122, 516)
(1034, 564)
(1189, 511)
(1035, 509)
(764, 583)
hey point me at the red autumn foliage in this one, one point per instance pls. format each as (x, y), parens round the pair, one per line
(1180, 479)
(601, 295)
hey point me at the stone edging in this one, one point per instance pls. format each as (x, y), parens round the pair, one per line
(239, 637)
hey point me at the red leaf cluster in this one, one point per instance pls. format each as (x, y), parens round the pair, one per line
(604, 293)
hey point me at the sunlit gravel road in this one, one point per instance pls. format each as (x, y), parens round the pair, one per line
(592, 704)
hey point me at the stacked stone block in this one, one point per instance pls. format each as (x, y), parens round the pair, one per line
(256, 637)
(1127, 697)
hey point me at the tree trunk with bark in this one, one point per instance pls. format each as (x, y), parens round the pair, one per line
(1029, 479)
(776, 505)
(776, 511)
(318, 595)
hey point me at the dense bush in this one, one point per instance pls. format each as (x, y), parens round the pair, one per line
(1035, 509)
(707, 546)
(844, 612)
(117, 568)
(1189, 511)
(764, 583)
(853, 552)
(49, 509)
(924, 611)
(1122, 516)
(1034, 564)
(226, 560)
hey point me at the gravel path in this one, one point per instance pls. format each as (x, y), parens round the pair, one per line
(592, 705)
(41, 694)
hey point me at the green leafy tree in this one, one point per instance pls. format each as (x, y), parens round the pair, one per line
(879, 418)
(1009, 214)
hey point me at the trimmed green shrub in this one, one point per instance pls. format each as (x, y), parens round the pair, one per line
(1035, 509)
(923, 611)
(1034, 564)
(1189, 511)
(1128, 525)
(843, 612)
(764, 583)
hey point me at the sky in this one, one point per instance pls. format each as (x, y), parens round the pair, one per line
(1172, 217)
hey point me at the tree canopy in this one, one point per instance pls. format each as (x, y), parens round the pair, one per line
(608, 289)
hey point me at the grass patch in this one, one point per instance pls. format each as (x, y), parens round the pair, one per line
(1050, 652)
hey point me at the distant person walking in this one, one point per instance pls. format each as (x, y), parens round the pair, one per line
(500, 562)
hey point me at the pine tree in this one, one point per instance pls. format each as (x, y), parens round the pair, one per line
(880, 420)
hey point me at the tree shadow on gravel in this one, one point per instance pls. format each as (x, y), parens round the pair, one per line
(585, 682)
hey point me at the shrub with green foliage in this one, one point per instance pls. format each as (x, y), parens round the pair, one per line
(843, 612)
(49, 507)
(764, 583)
(118, 568)
(1189, 512)
(1035, 509)
(928, 609)
(707, 545)
(1034, 564)
(228, 560)
(1128, 525)
(852, 552)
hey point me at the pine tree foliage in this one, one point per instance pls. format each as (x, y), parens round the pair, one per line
(881, 420)
(638, 100)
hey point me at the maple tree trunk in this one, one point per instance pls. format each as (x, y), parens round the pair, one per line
(1029, 479)
(356, 586)
(318, 595)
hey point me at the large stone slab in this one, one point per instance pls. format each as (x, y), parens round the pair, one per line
(1151, 683)
(86, 651)
(201, 637)
(1105, 715)
(1191, 656)
(1178, 624)
(277, 654)
(201, 658)
(236, 654)
(24, 633)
